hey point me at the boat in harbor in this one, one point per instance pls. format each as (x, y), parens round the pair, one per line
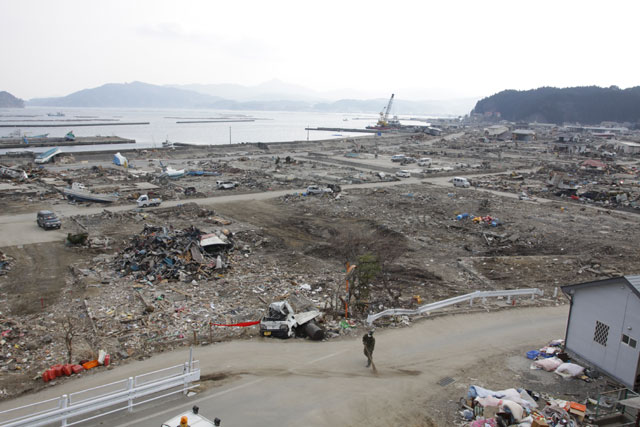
(80, 193)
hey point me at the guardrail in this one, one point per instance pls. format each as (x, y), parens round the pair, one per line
(455, 300)
(90, 403)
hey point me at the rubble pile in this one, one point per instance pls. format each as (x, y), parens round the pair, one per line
(159, 253)
(5, 263)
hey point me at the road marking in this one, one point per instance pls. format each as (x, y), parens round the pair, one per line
(220, 393)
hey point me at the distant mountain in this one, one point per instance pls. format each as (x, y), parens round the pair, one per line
(267, 91)
(589, 105)
(9, 101)
(131, 95)
(270, 96)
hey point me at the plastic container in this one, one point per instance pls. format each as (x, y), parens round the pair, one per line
(107, 360)
(89, 365)
(532, 354)
(77, 369)
(66, 369)
(58, 370)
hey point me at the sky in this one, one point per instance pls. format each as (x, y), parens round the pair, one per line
(417, 49)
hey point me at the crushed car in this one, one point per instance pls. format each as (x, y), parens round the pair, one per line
(283, 322)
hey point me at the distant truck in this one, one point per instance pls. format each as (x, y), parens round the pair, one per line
(316, 189)
(192, 418)
(144, 201)
(281, 321)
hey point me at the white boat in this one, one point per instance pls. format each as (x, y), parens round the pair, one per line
(79, 192)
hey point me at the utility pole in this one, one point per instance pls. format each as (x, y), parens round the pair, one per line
(229, 135)
(307, 133)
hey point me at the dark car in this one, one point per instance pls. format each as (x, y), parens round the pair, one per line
(47, 220)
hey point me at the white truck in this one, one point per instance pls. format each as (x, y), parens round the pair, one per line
(281, 321)
(193, 419)
(144, 201)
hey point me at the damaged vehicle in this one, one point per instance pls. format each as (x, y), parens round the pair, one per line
(316, 189)
(226, 185)
(281, 321)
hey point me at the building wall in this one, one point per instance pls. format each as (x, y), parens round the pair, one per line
(617, 309)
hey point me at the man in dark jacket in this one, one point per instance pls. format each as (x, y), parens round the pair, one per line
(369, 343)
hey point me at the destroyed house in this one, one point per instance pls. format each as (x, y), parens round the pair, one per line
(603, 328)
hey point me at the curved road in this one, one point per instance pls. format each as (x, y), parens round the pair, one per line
(303, 383)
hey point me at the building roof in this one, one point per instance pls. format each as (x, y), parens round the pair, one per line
(633, 282)
(524, 132)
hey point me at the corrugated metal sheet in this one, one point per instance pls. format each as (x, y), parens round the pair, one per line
(635, 281)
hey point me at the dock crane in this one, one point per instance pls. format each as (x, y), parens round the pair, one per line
(383, 122)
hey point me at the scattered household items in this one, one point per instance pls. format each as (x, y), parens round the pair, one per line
(191, 418)
(282, 321)
(144, 201)
(120, 160)
(80, 193)
(48, 220)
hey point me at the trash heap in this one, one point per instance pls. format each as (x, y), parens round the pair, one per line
(486, 220)
(483, 407)
(159, 253)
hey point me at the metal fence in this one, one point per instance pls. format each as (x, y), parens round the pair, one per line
(86, 405)
(455, 300)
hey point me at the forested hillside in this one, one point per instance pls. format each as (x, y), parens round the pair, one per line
(588, 105)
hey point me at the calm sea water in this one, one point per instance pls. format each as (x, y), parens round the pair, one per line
(268, 127)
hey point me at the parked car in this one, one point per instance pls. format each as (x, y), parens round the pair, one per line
(398, 157)
(48, 220)
(461, 182)
(316, 189)
(403, 174)
(226, 185)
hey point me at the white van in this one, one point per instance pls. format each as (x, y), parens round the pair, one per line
(403, 174)
(398, 157)
(461, 182)
(425, 161)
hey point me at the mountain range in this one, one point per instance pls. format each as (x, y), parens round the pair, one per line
(270, 96)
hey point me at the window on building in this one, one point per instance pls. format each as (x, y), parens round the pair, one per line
(601, 333)
(626, 339)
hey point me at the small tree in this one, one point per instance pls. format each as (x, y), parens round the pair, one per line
(368, 270)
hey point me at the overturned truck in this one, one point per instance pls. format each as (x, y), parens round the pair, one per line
(283, 322)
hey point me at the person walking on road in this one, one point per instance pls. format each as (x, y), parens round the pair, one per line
(369, 343)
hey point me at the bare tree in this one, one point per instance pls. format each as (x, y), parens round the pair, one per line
(68, 328)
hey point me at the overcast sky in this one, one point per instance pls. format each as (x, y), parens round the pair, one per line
(418, 49)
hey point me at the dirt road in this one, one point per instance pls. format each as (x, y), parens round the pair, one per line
(295, 382)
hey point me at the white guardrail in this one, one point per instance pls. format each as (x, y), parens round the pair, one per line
(86, 405)
(455, 300)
